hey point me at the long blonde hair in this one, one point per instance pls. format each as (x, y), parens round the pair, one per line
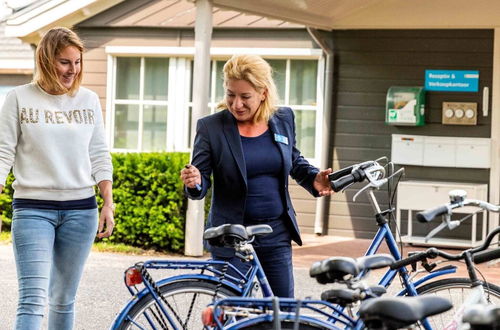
(52, 43)
(258, 73)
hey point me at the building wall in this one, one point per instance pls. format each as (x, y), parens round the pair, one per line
(95, 68)
(367, 63)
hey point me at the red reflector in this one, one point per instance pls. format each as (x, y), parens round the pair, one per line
(133, 277)
(207, 317)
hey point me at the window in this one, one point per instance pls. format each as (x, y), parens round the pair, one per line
(151, 100)
(146, 107)
(296, 81)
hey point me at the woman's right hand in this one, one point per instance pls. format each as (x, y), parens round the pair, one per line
(191, 176)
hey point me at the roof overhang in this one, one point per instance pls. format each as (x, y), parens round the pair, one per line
(376, 14)
(31, 22)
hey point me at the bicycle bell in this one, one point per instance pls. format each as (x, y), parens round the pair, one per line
(457, 195)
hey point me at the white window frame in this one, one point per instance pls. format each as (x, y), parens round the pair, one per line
(177, 133)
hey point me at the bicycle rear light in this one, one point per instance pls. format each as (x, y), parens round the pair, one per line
(207, 317)
(133, 276)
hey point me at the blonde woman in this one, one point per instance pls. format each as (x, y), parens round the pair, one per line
(52, 134)
(249, 148)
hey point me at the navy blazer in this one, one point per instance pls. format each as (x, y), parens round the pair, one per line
(217, 150)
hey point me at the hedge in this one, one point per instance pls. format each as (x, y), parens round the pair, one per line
(150, 203)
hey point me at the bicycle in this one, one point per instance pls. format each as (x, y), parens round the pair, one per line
(374, 312)
(477, 317)
(387, 313)
(148, 309)
(175, 302)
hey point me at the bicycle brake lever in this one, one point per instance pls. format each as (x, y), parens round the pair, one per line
(360, 191)
(435, 231)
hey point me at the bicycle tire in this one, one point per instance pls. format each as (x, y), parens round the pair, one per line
(455, 289)
(285, 325)
(180, 295)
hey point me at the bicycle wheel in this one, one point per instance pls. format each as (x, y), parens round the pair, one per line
(456, 290)
(285, 325)
(187, 300)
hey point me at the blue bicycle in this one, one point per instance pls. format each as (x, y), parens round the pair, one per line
(176, 302)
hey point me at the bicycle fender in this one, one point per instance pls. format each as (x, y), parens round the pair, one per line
(429, 277)
(179, 278)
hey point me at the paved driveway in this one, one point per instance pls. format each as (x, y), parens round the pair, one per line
(102, 292)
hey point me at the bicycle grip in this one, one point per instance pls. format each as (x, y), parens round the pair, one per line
(485, 256)
(340, 173)
(408, 261)
(429, 215)
(339, 184)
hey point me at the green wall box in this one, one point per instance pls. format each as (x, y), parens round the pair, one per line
(405, 106)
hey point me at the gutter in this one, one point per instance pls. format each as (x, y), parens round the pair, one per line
(321, 203)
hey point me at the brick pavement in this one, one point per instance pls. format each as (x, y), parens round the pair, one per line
(317, 248)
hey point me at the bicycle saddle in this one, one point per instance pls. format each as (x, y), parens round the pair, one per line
(399, 312)
(259, 230)
(227, 235)
(482, 317)
(344, 296)
(339, 269)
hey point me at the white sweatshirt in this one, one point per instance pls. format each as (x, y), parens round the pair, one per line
(55, 143)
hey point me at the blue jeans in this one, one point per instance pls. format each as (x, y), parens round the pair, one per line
(277, 264)
(50, 247)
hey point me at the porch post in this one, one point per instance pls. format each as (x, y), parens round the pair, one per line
(195, 216)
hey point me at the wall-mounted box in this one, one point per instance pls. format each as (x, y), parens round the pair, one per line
(459, 113)
(473, 153)
(405, 106)
(409, 149)
(441, 151)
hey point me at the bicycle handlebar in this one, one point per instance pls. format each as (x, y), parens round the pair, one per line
(478, 256)
(486, 256)
(431, 214)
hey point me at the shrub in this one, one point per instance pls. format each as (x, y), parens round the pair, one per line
(149, 198)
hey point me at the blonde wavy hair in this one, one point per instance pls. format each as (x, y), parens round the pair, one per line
(258, 73)
(51, 45)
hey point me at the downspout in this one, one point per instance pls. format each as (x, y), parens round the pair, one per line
(321, 203)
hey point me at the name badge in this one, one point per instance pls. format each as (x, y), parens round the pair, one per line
(281, 138)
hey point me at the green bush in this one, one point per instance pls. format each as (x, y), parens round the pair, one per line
(6, 203)
(149, 198)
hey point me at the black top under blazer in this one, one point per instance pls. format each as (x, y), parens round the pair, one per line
(217, 150)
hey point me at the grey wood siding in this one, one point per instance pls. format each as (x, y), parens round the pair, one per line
(367, 63)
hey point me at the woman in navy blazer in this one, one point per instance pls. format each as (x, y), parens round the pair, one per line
(250, 150)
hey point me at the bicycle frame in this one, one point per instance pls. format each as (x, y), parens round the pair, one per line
(384, 233)
(242, 285)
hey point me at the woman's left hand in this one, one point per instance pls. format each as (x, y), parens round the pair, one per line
(322, 184)
(106, 222)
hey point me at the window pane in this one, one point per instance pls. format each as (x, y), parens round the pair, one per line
(305, 123)
(219, 81)
(154, 137)
(127, 77)
(155, 78)
(126, 126)
(279, 76)
(303, 77)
